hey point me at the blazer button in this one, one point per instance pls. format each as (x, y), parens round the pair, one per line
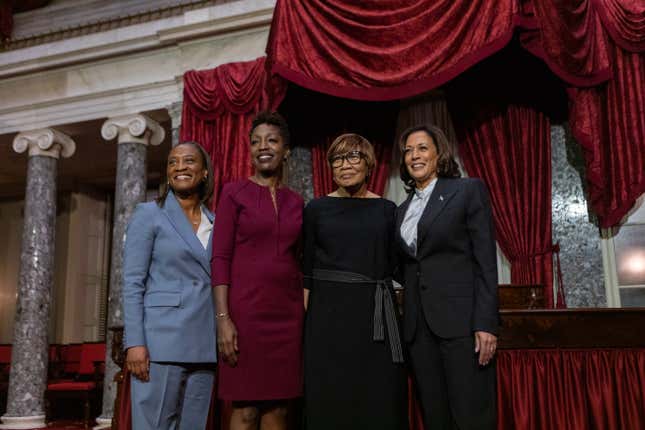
(418, 274)
(424, 287)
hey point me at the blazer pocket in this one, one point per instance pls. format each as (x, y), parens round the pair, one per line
(162, 299)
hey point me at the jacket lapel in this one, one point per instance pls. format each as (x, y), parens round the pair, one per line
(441, 195)
(181, 224)
(400, 216)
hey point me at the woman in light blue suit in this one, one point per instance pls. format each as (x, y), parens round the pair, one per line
(168, 301)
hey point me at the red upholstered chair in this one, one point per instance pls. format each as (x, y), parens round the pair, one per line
(5, 364)
(5, 361)
(84, 364)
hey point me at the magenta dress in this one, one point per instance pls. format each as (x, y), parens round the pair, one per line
(255, 254)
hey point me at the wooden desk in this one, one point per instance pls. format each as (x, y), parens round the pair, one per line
(572, 328)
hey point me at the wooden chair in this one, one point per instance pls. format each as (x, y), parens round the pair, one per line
(82, 378)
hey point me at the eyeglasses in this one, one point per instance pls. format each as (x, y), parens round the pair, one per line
(352, 157)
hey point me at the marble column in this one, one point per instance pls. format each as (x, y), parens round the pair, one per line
(174, 110)
(29, 358)
(133, 133)
(299, 172)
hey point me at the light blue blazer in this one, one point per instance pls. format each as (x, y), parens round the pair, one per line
(167, 294)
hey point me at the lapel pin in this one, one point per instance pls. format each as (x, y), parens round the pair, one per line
(441, 198)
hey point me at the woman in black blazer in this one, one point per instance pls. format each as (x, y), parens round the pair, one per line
(448, 267)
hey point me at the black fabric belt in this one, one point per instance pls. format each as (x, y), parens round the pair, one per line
(383, 304)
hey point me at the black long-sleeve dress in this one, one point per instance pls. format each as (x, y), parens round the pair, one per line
(351, 381)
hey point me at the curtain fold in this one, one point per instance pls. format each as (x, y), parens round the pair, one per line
(571, 389)
(570, 40)
(218, 109)
(624, 20)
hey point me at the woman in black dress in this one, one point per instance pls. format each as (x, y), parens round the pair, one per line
(354, 373)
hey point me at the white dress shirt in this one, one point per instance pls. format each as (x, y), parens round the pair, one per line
(413, 215)
(204, 230)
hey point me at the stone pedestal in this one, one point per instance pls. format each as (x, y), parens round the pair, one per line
(28, 376)
(133, 133)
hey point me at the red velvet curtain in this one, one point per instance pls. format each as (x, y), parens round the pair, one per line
(385, 49)
(390, 49)
(510, 149)
(609, 122)
(219, 105)
(570, 40)
(601, 43)
(571, 389)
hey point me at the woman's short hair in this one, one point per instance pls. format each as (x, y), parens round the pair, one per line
(272, 118)
(206, 187)
(353, 142)
(447, 167)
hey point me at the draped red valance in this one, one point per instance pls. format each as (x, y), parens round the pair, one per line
(219, 105)
(385, 49)
(392, 49)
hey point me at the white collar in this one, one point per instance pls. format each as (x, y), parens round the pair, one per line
(425, 193)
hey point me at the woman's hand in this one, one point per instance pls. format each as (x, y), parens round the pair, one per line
(137, 362)
(227, 341)
(485, 345)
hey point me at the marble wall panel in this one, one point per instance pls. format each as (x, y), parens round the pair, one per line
(574, 226)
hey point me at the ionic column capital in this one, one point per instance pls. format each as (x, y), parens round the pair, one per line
(135, 128)
(47, 142)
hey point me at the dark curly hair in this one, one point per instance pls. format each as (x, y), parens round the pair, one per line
(205, 188)
(272, 118)
(447, 167)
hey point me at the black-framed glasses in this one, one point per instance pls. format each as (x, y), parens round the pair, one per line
(352, 157)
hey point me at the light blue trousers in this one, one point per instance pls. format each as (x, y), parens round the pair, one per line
(177, 397)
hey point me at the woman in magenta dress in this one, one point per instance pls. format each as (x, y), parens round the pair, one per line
(258, 285)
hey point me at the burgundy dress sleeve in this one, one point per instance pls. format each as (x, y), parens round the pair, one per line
(224, 237)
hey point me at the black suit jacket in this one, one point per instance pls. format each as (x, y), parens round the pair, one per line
(453, 277)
